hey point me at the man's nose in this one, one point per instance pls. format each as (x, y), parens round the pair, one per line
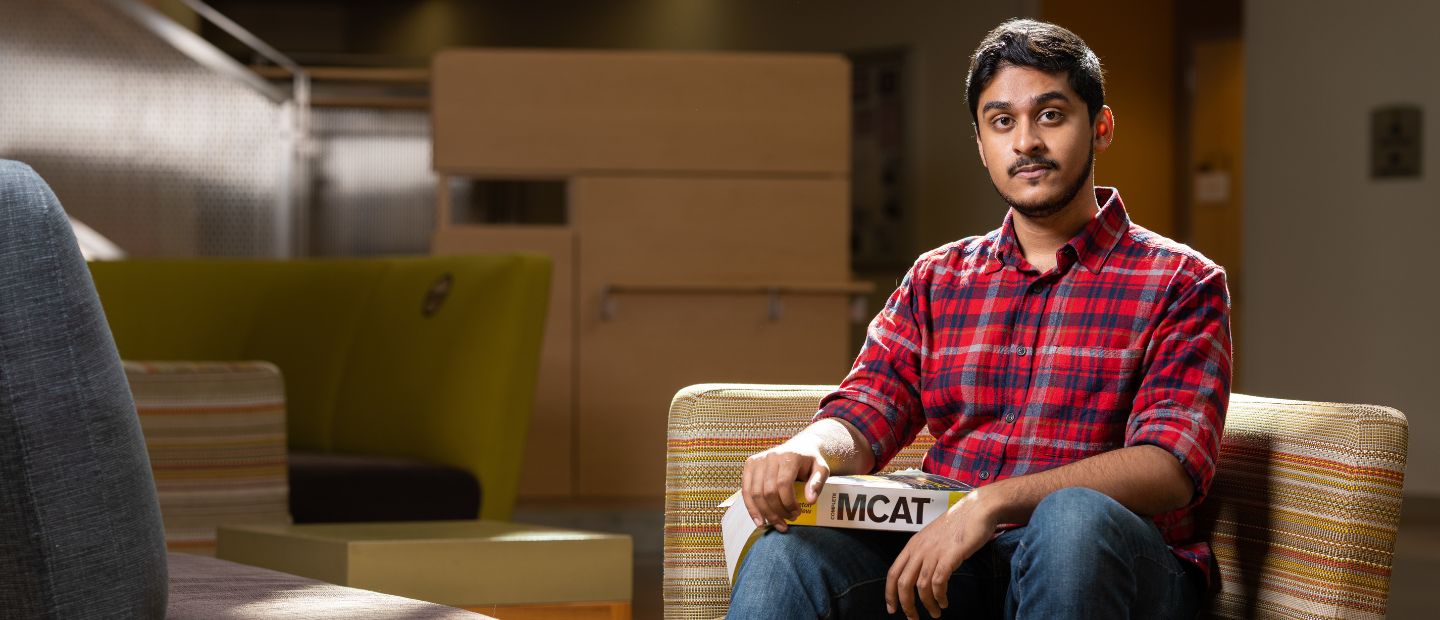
(1028, 140)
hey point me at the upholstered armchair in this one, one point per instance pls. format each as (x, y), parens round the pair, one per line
(1303, 513)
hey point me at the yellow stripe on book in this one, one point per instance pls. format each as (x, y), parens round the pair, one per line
(807, 509)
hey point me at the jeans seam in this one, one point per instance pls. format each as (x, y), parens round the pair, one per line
(835, 597)
(847, 591)
(1012, 585)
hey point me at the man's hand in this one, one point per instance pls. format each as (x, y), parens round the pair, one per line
(933, 553)
(768, 484)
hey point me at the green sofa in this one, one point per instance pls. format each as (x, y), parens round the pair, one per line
(426, 358)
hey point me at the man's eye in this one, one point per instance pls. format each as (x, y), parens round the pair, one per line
(1051, 115)
(1002, 121)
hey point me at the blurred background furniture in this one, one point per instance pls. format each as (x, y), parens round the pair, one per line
(408, 381)
(509, 570)
(215, 434)
(80, 530)
(690, 201)
(1304, 509)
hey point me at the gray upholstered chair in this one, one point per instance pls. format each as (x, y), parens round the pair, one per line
(80, 532)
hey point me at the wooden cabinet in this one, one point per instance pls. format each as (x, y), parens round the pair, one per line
(706, 235)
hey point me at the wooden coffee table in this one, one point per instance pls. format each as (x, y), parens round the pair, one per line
(511, 571)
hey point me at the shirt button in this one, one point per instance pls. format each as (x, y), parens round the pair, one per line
(1010, 417)
(984, 475)
(1022, 351)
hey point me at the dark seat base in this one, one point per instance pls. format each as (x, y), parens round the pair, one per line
(335, 488)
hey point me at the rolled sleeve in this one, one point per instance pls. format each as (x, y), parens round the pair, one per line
(1181, 403)
(880, 397)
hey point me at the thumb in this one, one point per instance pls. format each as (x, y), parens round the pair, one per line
(818, 473)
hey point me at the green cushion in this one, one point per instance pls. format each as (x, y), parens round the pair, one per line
(473, 356)
(306, 323)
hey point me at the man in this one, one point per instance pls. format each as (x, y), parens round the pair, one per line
(1074, 367)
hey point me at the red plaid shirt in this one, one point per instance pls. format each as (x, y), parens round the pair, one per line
(1125, 342)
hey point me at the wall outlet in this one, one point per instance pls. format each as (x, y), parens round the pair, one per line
(1396, 138)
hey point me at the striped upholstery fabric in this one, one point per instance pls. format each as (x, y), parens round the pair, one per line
(1305, 507)
(216, 436)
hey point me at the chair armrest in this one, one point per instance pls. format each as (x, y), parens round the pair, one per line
(215, 432)
(1305, 508)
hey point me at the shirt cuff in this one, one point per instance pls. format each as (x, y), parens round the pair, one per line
(1183, 433)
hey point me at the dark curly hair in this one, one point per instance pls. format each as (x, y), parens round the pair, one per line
(1039, 45)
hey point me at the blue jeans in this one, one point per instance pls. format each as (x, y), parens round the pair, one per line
(1082, 555)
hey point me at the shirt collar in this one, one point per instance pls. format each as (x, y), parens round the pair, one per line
(1090, 247)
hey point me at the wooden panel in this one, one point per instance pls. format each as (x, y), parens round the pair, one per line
(1140, 84)
(637, 230)
(711, 230)
(516, 112)
(548, 467)
(656, 344)
(1217, 149)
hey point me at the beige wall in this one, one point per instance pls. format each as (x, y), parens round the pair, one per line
(1341, 296)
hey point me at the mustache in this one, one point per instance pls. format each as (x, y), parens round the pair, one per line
(1032, 161)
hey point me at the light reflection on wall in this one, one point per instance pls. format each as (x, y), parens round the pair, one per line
(154, 151)
(374, 191)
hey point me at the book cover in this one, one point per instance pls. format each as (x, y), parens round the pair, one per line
(905, 500)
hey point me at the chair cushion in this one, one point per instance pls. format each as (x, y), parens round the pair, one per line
(216, 436)
(208, 588)
(333, 488)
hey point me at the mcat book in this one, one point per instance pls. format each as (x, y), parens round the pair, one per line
(904, 501)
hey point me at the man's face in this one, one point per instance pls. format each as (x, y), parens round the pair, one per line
(1036, 139)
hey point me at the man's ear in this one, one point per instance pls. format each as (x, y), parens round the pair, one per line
(1104, 129)
(980, 148)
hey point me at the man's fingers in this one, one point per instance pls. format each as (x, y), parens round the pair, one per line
(785, 486)
(768, 486)
(819, 472)
(774, 509)
(755, 496)
(940, 579)
(892, 583)
(924, 587)
(769, 515)
(905, 588)
(758, 495)
(747, 490)
(938, 586)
